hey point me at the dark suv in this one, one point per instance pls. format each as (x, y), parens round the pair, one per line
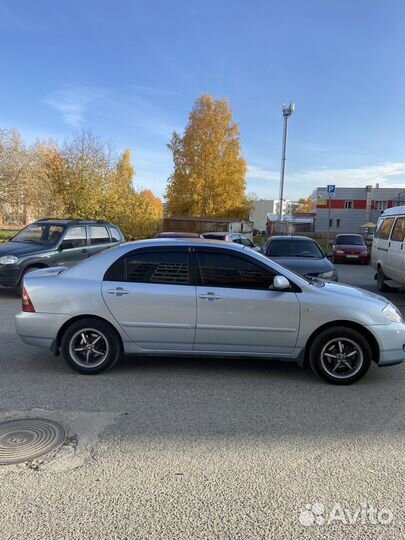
(53, 242)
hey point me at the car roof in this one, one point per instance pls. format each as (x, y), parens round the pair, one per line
(349, 234)
(218, 233)
(164, 242)
(175, 234)
(58, 221)
(290, 237)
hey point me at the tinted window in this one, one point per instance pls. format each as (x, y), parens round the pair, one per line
(75, 237)
(398, 232)
(385, 229)
(159, 267)
(99, 234)
(214, 236)
(226, 270)
(294, 248)
(350, 240)
(115, 235)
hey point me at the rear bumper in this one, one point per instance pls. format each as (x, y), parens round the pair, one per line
(39, 329)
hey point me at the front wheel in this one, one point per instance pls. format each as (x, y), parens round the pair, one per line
(340, 355)
(381, 285)
(90, 346)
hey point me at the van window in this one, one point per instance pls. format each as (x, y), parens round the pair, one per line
(398, 232)
(385, 229)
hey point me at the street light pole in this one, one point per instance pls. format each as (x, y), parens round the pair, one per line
(287, 112)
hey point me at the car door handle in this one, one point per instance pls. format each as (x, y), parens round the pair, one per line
(210, 296)
(118, 291)
(85, 250)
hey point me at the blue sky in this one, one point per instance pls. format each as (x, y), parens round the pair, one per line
(131, 70)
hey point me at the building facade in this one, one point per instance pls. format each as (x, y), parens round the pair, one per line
(351, 208)
(263, 207)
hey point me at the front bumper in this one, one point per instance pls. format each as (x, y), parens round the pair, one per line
(391, 341)
(351, 258)
(9, 275)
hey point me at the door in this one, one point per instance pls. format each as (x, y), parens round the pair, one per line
(382, 243)
(99, 238)
(73, 247)
(236, 310)
(396, 252)
(151, 295)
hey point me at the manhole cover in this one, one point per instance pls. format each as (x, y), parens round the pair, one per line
(29, 438)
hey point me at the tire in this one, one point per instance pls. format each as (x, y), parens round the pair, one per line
(19, 287)
(87, 360)
(336, 370)
(381, 285)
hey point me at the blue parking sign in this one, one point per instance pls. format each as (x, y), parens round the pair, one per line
(331, 189)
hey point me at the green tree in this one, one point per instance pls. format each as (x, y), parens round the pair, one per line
(209, 173)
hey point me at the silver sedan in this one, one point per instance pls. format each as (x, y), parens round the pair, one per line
(202, 297)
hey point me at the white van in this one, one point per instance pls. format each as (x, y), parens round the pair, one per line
(388, 251)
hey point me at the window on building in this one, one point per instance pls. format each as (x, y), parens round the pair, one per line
(338, 223)
(349, 204)
(381, 205)
(330, 222)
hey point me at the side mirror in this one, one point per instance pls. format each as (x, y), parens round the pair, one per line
(280, 283)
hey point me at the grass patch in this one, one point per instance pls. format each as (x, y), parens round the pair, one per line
(6, 234)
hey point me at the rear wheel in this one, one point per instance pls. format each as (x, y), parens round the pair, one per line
(340, 355)
(90, 346)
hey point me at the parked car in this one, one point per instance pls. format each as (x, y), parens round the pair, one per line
(388, 251)
(300, 254)
(203, 298)
(53, 242)
(350, 248)
(178, 235)
(231, 237)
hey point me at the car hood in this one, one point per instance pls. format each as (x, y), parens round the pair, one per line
(353, 292)
(21, 248)
(305, 265)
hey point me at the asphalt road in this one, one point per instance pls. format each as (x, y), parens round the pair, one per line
(203, 449)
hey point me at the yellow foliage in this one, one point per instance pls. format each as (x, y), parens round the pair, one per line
(209, 171)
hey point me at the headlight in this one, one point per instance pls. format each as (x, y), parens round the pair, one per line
(340, 252)
(328, 275)
(392, 313)
(8, 259)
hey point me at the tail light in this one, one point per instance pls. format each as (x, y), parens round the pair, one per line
(27, 305)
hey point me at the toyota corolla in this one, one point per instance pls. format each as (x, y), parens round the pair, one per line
(205, 298)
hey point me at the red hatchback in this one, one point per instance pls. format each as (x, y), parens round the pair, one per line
(350, 248)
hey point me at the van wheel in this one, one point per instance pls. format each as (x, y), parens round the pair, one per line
(90, 346)
(381, 285)
(340, 355)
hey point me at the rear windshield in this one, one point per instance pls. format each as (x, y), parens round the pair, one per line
(350, 240)
(294, 248)
(214, 237)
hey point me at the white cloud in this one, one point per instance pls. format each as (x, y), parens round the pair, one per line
(300, 184)
(73, 102)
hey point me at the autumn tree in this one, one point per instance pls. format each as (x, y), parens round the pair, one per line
(208, 179)
(305, 205)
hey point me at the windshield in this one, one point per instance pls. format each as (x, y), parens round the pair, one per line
(350, 240)
(40, 233)
(294, 248)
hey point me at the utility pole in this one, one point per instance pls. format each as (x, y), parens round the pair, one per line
(287, 112)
